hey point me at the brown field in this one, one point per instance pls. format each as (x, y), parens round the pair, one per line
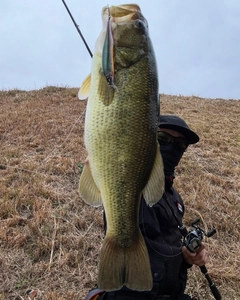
(50, 239)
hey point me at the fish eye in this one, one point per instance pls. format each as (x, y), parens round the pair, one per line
(140, 24)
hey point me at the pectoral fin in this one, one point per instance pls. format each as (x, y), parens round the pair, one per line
(87, 187)
(85, 88)
(154, 189)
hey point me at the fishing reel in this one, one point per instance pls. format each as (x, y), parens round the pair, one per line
(193, 239)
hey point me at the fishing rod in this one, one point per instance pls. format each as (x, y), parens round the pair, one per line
(77, 27)
(193, 241)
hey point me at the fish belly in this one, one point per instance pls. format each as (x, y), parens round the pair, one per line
(120, 138)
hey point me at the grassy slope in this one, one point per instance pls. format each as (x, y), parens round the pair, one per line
(50, 240)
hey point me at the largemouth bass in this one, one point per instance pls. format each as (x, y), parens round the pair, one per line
(124, 160)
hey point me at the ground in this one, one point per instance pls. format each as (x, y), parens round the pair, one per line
(50, 239)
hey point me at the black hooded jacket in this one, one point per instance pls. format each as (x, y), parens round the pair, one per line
(164, 242)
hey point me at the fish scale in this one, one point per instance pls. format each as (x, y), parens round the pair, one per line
(124, 160)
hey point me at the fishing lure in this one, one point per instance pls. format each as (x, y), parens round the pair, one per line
(108, 53)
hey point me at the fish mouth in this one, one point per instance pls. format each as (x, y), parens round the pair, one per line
(124, 10)
(116, 21)
(122, 13)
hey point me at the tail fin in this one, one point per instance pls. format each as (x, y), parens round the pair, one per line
(122, 265)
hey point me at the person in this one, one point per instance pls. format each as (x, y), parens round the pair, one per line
(159, 224)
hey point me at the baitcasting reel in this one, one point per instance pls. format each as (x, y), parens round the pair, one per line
(193, 239)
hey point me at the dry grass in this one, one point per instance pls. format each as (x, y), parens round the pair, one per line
(50, 240)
